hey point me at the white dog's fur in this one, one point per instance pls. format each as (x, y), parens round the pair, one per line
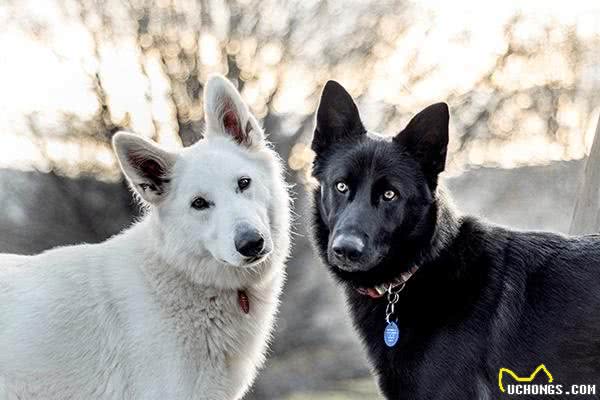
(153, 312)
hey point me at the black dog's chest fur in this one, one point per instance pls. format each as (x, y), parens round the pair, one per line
(493, 299)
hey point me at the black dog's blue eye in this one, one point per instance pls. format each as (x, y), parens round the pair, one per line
(341, 187)
(244, 183)
(389, 195)
(200, 204)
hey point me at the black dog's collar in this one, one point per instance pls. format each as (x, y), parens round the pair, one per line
(379, 290)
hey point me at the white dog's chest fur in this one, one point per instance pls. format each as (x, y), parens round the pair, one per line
(210, 329)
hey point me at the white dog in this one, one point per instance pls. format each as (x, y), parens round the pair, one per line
(179, 306)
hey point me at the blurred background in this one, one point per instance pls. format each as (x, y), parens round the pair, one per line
(522, 80)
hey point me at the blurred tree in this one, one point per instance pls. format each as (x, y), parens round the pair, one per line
(537, 87)
(281, 53)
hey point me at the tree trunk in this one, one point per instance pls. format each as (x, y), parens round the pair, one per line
(586, 215)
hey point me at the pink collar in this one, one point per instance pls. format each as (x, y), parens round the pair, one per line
(378, 291)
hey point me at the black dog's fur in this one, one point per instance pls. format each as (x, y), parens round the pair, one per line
(484, 297)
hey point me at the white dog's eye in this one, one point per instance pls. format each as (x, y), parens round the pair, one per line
(200, 204)
(244, 183)
(389, 195)
(341, 187)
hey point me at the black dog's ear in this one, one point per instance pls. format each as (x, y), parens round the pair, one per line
(426, 138)
(337, 118)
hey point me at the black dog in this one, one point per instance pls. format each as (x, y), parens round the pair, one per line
(461, 301)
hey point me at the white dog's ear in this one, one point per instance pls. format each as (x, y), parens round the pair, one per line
(227, 114)
(147, 167)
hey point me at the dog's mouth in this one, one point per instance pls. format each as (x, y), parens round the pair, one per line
(247, 262)
(377, 272)
(253, 261)
(363, 265)
(349, 268)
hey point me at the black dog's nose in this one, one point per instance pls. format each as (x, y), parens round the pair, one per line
(348, 247)
(249, 243)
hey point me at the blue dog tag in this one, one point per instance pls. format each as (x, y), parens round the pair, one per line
(391, 334)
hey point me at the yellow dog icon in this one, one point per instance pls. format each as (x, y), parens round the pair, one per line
(541, 367)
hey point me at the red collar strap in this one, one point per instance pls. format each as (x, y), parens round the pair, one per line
(244, 301)
(378, 291)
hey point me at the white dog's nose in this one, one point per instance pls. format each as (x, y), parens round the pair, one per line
(249, 242)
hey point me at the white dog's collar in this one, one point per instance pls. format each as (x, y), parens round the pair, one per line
(244, 301)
